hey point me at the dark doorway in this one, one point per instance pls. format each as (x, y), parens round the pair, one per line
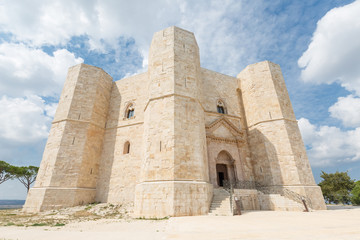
(222, 174)
(221, 179)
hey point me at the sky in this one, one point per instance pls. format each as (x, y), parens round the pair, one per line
(316, 43)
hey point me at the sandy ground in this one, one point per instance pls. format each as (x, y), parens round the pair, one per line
(331, 224)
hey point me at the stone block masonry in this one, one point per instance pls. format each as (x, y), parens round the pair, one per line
(161, 141)
(70, 165)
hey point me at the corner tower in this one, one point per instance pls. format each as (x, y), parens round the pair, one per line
(69, 168)
(277, 150)
(174, 179)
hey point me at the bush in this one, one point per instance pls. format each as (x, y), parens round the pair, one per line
(355, 194)
(336, 187)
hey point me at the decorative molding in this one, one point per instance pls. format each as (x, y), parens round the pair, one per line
(221, 114)
(239, 135)
(227, 140)
(79, 121)
(171, 95)
(127, 125)
(228, 124)
(272, 120)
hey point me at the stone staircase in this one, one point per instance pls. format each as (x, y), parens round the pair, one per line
(220, 205)
(276, 202)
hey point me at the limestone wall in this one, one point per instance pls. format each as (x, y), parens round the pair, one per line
(277, 150)
(119, 171)
(174, 129)
(72, 154)
(217, 86)
(249, 199)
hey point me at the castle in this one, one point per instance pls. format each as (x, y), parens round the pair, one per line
(166, 141)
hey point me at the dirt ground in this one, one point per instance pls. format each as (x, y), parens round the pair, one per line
(109, 222)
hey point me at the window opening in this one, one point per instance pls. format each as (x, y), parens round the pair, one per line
(127, 148)
(220, 107)
(130, 111)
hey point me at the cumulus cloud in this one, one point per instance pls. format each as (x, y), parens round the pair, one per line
(333, 55)
(25, 70)
(347, 109)
(328, 146)
(220, 27)
(38, 22)
(25, 120)
(334, 52)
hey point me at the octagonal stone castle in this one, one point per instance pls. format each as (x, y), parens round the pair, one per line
(166, 141)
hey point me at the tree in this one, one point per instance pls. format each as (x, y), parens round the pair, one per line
(26, 175)
(355, 198)
(6, 171)
(336, 187)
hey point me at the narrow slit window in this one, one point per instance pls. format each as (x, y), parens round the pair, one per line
(127, 147)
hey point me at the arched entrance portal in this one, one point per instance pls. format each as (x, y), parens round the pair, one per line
(222, 174)
(225, 170)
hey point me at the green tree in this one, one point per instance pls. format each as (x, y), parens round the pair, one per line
(26, 175)
(355, 194)
(336, 187)
(6, 171)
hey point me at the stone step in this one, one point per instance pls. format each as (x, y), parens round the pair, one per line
(281, 203)
(220, 205)
(217, 205)
(220, 202)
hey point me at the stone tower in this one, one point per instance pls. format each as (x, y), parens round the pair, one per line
(174, 176)
(278, 152)
(68, 171)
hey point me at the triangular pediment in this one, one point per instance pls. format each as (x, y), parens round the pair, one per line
(223, 128)
(223, 132)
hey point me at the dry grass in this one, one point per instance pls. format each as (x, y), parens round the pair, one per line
(61, 217)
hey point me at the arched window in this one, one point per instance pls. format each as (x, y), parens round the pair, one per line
(129, 113)
(127, 147)
(221, 107)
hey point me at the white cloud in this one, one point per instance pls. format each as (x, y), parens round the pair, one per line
(334, 52)
(53, 22)
(25, 70)
(218, 33)
(39, 23)
(24, 120)
(347, 109)
(327, 146)
(307, 130)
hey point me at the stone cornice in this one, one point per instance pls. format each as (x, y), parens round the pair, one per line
(272, 120)
(227, 123)
(127, 125)
(172, 95)
(227, 140)
(221, 114)
(79, 121)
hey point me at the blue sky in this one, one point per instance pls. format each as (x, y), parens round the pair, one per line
(316, 43)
